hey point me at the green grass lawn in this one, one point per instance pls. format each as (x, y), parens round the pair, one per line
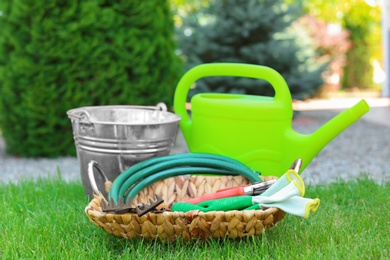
(46, 220)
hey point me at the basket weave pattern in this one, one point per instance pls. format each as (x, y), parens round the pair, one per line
(190, 225)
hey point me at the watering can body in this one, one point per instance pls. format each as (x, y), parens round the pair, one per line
(254, 130)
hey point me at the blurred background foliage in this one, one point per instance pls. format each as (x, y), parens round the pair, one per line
(362, 20)
(254, 32)
(348, 33)
(59, 55)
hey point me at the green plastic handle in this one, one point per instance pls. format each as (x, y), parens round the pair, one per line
(225, 204)
(276, 80)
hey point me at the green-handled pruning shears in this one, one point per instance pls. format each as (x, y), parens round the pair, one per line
(235, 198)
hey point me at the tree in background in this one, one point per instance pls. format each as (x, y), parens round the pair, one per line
(362, 19)
(330, 41)
(57, 55)
(254, 32)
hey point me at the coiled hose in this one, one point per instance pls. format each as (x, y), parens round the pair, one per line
(129, 183)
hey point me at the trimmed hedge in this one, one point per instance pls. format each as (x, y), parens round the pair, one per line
(58, 55)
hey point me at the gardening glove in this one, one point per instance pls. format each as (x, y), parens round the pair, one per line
(287, 196)
(285, 180)
(296, 206)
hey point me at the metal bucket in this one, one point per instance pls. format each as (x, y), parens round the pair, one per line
(118, 137)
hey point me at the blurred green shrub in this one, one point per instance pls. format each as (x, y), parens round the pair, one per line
(362, 19)
(331, 41)
(254, 32)
(57, 55)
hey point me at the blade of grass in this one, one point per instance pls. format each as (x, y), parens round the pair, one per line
(45, 219)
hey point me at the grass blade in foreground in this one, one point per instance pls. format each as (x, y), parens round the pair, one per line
(45, 219)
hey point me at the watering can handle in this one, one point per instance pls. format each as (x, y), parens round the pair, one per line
(282, 91)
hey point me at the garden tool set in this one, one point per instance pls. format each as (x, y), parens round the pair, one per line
(288, 196)
(228, 135)
(128, 184)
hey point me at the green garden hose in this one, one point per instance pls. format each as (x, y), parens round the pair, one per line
(137, 177)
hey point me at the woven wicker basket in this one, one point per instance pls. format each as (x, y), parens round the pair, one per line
(190, 225)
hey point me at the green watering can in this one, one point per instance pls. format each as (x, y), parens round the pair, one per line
(255, 130)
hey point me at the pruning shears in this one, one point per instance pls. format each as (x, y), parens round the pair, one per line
(233, 198)
(286, 194)
(251, 190)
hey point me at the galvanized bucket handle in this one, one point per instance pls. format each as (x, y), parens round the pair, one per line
(161, 106)
(84, 116)
(91, 166)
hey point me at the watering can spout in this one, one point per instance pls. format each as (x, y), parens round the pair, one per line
(310, 145)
